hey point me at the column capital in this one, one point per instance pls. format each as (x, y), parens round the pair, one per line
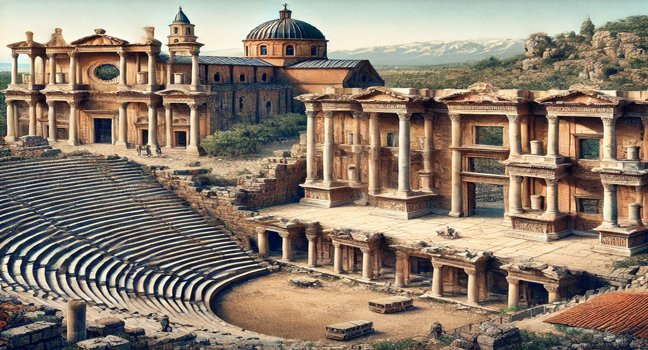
(30, 103)
(401, 255)
(551, 288)
(644, 120)
(336, 244)
(123, 104)
(311, 114)
(437, 264)
(551, 182)
(73, 53)
(8, 100)
(50, 55)
(151, 104)
(512, 280)
(455, 117)
(516, 178)
(14, 55)
(260, 230)
(166, 105)
(365, 250)
(74, 104)
(328, 114)
(609, 187)
(471, 271)
(359, 115)
(313, 229)
(404, 116)
(552, 118)
(428, 116)
(121, 53)
(192, 105)
(513, 118)
(608, 121)
(150, 54)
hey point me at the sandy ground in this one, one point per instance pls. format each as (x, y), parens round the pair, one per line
(272, 306)
(229, 168)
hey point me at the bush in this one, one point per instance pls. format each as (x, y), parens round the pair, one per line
(243, 138)
(637, 260)
(394, 345)
(534, 341)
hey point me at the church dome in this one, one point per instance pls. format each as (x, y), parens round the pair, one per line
(285, 28)
(181, 17)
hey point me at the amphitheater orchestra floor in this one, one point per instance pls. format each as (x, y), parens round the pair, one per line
(475, 232)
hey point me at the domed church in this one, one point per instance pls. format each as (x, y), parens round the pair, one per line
(103, 89)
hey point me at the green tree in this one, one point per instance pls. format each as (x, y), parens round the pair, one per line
(587, 28)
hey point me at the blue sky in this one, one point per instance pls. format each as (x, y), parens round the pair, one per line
(347, 24)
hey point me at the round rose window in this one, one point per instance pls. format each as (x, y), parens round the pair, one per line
(107, 72)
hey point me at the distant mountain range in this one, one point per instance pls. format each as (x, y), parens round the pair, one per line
(421, 53)
(411, 54)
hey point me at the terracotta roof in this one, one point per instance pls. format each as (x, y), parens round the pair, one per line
(327, 64)
(622, 312)
(236, 61)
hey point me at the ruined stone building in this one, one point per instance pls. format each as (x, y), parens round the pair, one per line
(102, 89)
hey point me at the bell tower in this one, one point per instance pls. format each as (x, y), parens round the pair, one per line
(181, 30)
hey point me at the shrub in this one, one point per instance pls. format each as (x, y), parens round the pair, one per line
(394, 345)
(243, 138)
(637, 260)
(534, 341)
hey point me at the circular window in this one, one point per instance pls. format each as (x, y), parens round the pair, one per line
(107, 72)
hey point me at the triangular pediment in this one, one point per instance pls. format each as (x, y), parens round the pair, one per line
(581, 97)
(24, 44)
(382, 94)
(99, 39)
(479, 93)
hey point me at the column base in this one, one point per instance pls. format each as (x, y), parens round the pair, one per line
(121, 143)
(73, 142)
(536, 226)
(193, 151)
(405, 206)
(624, 241)
(455, 214)
(48, 139)
(327, 195)
(10, 138)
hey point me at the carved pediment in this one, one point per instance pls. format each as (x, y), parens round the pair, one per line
(183, 121)
(142, 120)
(582, 98)
(99, 39)
(479, 93)
(380, 94)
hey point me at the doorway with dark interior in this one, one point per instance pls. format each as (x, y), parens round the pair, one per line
(102, 130)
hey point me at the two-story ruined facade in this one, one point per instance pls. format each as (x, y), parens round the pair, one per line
(103, 89)
(554, 162)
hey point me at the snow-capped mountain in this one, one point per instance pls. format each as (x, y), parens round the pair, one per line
(435, 52)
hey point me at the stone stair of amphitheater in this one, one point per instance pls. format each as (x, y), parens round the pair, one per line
(102, 230)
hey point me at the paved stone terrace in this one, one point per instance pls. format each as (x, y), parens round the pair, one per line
(477, 233)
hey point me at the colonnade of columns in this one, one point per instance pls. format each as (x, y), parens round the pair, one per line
(553, 291)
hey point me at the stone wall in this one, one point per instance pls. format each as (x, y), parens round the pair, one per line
(36, 336)
(234, 205)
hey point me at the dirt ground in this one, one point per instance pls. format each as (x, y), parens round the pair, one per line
(271, 305)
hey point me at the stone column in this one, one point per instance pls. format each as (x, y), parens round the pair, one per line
(552, 135)
(404, 179)
(286, 248)
(11, 126)
(76, 321)
(168, 125)
(609, 139)
(374, 154)
(195, 74)
(311, 134)
(72, 69)
(72, 125)
(329, 147)
(43, 70)
(610, 210)
(552, 197)
(32, 71)
(437, 279)
(473, 289)
(32, 117)
(52, 68)
(122, 127)
(312, 250)
(428, 149)
(39, 116)
(122, 68)
(337, 258)
(14, 68)
(554, 292)
(398, 270)
(151, 73)
(367, 271)
(513, 292)
(51, 121)
(194, 130)
(357, 144)
(515, 194)
(152, 125)
(262, 241)
(515, 141)
(456, 209)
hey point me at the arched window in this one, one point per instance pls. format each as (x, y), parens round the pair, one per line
(290, 50)
(175, 30)
(264, 50)
(313, 50)
(246, 51)
(217, 77)
(175, 40)
(241, 103)
(264, 77)
(242, 78)
(268, 108)
(188, 31)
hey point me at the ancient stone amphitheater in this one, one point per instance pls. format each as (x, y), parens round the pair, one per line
(102, 230)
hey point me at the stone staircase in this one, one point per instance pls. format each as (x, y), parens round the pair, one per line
(101, 230)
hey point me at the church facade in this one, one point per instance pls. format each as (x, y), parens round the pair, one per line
(103, 89)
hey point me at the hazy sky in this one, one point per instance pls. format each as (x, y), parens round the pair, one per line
(347, 24)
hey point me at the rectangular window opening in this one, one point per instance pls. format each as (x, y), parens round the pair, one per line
(485, 166)
(489, 135)
(590, 206)
(589, 149)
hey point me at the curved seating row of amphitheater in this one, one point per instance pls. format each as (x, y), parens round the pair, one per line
(102, 230)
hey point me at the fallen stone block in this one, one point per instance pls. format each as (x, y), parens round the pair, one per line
(110, 342)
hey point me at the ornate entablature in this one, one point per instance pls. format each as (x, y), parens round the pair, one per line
(622, 177)
(385, 100)
(541, 273)
(583, 103)
(458, 258)
(356, 238)
(538, 170)
(484, 98)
